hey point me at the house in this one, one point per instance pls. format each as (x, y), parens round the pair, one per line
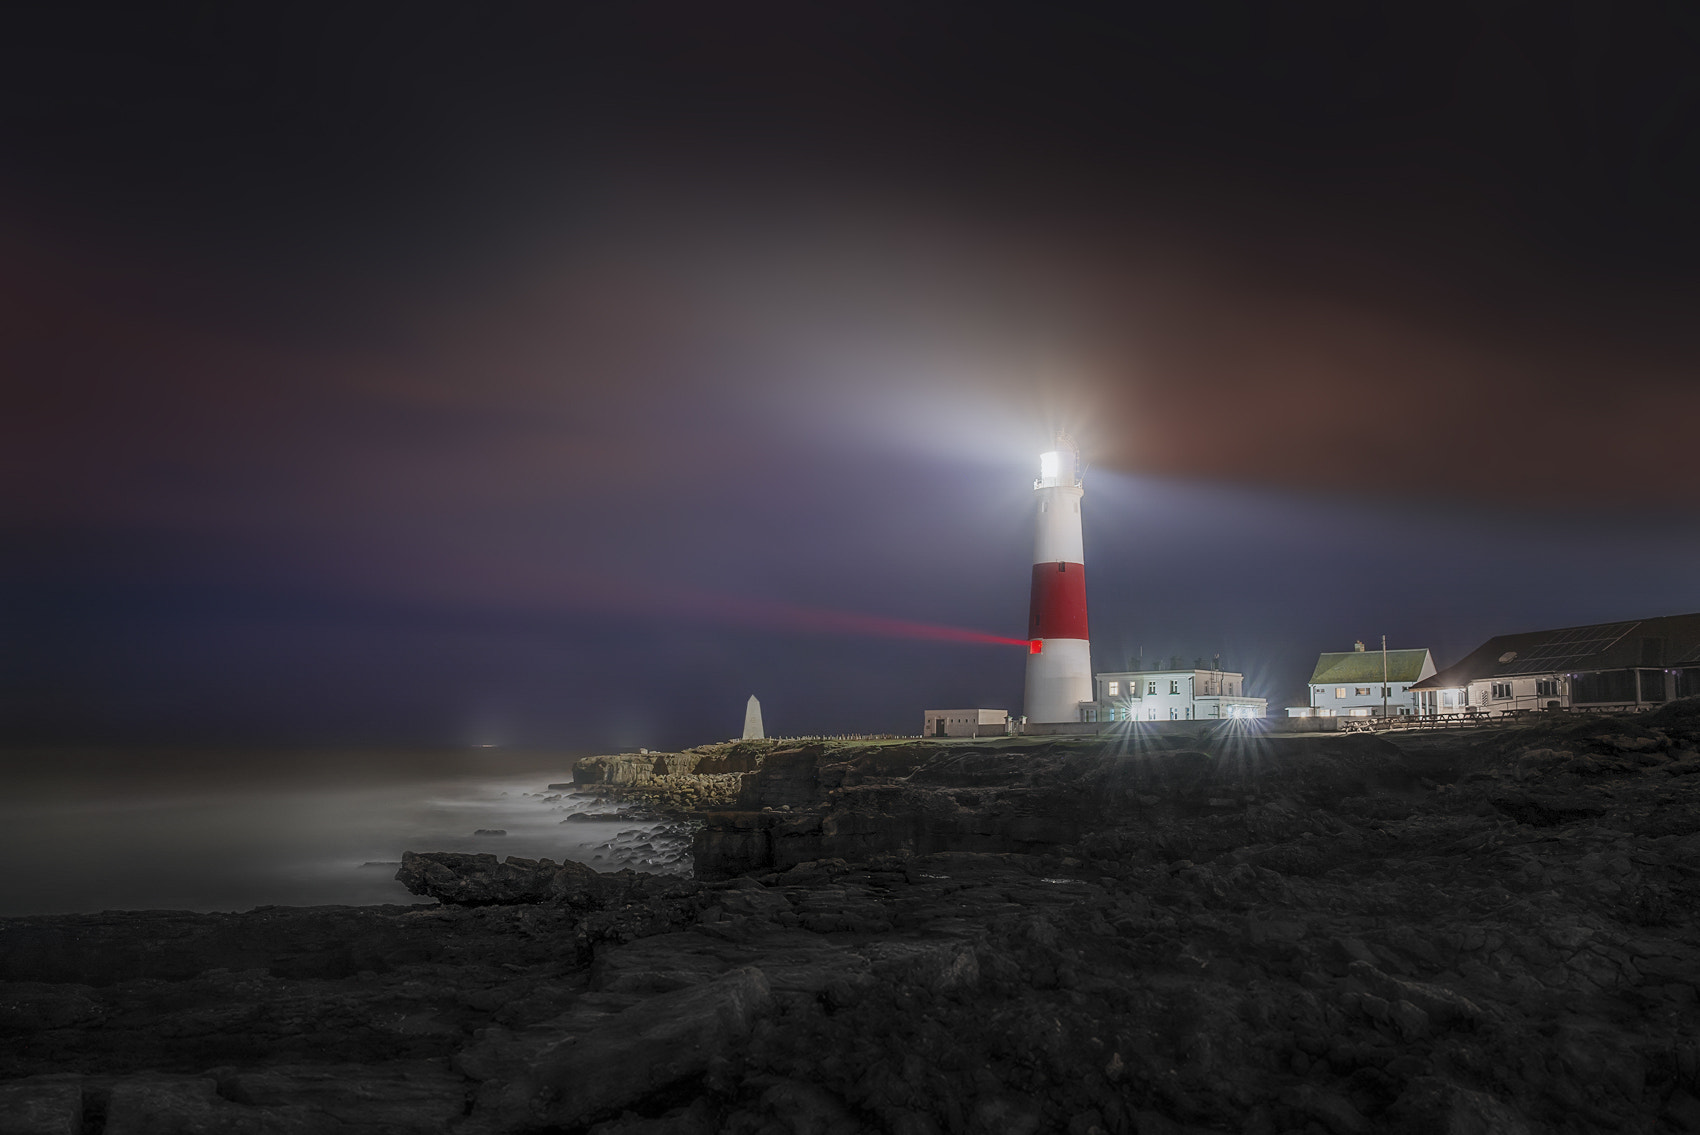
(1177, 694)
(965, 723)
(1366, 683)
(1603, 666)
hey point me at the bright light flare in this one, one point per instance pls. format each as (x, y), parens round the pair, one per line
(1050, 466)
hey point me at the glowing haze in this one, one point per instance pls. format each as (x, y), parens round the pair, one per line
(584, 372)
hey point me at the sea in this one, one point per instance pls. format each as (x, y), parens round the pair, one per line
(229, 830)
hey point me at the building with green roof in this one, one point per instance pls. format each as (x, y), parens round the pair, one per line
(1365, 683)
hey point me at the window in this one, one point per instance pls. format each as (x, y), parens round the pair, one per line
(1387, 691)
(1546, 687)
(1112, 688)
(1151, 688)
(1153, 713)
(1175, 686)
(1360, 691)
(1173, 713)
(1603, 686)
(1340, 691)
(1448, 697)
(1501, 690)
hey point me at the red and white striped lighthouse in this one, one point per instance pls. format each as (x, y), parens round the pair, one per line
(1059, 665)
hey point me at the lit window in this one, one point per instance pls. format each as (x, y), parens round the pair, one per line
(1114, 688)
(1339, 691)
(1361, 691)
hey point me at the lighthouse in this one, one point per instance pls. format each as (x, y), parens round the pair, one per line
(1059, 660)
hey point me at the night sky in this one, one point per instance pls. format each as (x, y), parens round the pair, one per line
(560, 375)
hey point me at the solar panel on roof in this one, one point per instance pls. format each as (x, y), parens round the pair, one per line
(1568, 649)
(1690, 659)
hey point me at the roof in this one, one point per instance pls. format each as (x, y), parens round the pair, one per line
(1184, 671)
(1365, 666)
(1669, 640)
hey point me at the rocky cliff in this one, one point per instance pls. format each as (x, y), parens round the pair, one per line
(1489, 932)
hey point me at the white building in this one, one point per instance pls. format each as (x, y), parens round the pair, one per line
(1605, 666)
(1366, 683)
(1171, 695)
(965, 723)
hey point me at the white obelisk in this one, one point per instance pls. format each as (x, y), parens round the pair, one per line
(752, 720)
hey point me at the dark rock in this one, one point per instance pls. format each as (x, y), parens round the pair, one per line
(289, 1100)
(591, 1061)
(456, 877)
(491, 831)
(482, 880)
(42, 1105)
(1545, 810)
(1432, 1106)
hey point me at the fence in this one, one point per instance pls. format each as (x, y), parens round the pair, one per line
(1443, 721)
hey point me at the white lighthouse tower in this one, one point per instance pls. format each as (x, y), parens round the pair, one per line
(1059, 665)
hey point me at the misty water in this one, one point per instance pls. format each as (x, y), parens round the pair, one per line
(90, 831)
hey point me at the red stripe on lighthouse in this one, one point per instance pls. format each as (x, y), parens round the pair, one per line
(1058, 605)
